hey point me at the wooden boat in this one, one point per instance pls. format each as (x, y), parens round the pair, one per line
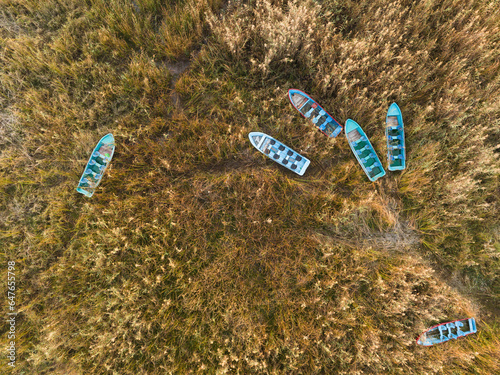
(278, 152)
(99, 160)
(363, 150)
(313, 111)
(447, 331)
(395, 134)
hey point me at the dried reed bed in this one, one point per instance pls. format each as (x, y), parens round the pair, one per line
(197, 255)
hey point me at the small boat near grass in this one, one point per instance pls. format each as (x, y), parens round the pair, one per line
(363, 150)
(313, 111)
(97, 164)
(395, 134)
(447, 331)
(279, 153)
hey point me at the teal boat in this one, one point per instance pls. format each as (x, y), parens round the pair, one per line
(447, 331)
(313, 111)
(278, 152)
(363, 150)
(395, 134)
(97, 164)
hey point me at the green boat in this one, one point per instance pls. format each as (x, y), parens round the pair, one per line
(395, 134)
(363, 150)
(97, 164)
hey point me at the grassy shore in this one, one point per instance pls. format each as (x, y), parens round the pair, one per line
(199, 255)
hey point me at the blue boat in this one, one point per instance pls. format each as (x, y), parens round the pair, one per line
(395, 134)
(363, 150)
(99, 160)
(278, 152)
(447, 331)
(313, 111)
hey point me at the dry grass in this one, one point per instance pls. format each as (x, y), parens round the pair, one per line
(197, 254)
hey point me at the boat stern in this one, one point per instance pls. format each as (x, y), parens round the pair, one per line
(85, 192)
(304, 167)
(378, 175)
(472, 325)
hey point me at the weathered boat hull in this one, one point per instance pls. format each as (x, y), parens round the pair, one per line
(310, 109)
(446, 331)
(394, 132)
(279, 152)
(98, 162)
(363, 150)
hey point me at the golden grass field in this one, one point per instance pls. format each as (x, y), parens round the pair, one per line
(198, 255)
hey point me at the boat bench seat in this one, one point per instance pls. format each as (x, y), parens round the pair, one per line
(363, 149)
(320, 114)
(306, 107)
(365, 159)
(100, 158)
(321, 123)
(374, 165)
(358, 141)
(394, 157)
(395, 147)
(310, 112)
